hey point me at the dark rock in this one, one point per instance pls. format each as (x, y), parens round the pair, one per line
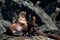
(3, 25)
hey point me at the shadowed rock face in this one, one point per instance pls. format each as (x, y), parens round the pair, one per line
(49, 6)
(58, 17)
(9, 10)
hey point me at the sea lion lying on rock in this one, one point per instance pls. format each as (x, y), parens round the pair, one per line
(20, 25)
